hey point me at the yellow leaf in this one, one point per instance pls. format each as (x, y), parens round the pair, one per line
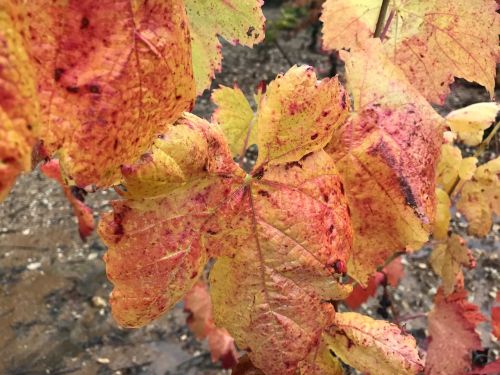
(448, 258)
(18, 102)
(430, 40)
(387, 154)
(448, 166)
(467, 168)
(373, 346)
(237, 21)
(111, 75)
(443, 216)
(321, 362)
(480, 198)
(297, 109)
(234, 115)
(471, 122)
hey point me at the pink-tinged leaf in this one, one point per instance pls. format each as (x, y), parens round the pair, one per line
(156, 237)
(430, 40)
(198, 305)
(373, 346)
(237, 21)
(387, 154)
(19, 110)
(246, 367)
(111, 74)
(452, 335)
(82, 212)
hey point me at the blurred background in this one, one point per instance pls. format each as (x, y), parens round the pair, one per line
(54, 314)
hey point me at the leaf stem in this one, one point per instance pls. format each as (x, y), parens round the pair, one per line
(381, 18)
(479, 151)
(387, 24)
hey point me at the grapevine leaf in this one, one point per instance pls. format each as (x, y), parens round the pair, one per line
(471, 122)
(198, 304)
(83, 213)
(452, 335)
(480, 198)
(451, 166)
(373, 346)
(386, 153)
(18, 101)
(111, 75)
(495, 317)
(237, 21)
(295, 227)
(443, 216)
(234, 115)
(430, 40)
(289, 125)
(448, 257)
(155, 238)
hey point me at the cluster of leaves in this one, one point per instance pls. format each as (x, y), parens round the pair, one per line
(344, 179)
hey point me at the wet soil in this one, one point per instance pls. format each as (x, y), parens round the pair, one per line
(54, 317)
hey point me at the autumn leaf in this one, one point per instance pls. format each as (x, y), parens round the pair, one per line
(234, 115)
(471, 122)
(111, 75)
(430, 40)
(198, 305)
(387, 154)
(321, 361)
(373, 346)
(18, 101)
(447, 259)
(82, 212)
(480, 199)
(491, 368)
(237, 21)
(246, 367)
(155, 237)
(277, 233)
(452, 335)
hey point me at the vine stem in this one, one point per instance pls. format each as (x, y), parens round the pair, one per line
(381, 18)
(479, 151)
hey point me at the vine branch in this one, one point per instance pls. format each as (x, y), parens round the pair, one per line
(381, 18)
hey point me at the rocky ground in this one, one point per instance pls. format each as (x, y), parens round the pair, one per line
(54, 316)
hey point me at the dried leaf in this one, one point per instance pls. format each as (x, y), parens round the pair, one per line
(447, 259)
(452, 335)
(82, 212)
(471, 122)
(18, 102)
(111, 74)
(373, 346)
(430, 40)
(237, 21)
(480, 198)
(387, 154)
(234, 115)
(198, 304)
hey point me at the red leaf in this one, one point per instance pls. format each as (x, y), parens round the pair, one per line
(495, 317)
(82, 212)
(452, 334)
(198, 304)
(490, 368)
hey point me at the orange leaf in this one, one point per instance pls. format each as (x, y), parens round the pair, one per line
(387, 154)
(18, 101)
(452, 334)
(83, 213)
(430, 40)
(111, 74)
